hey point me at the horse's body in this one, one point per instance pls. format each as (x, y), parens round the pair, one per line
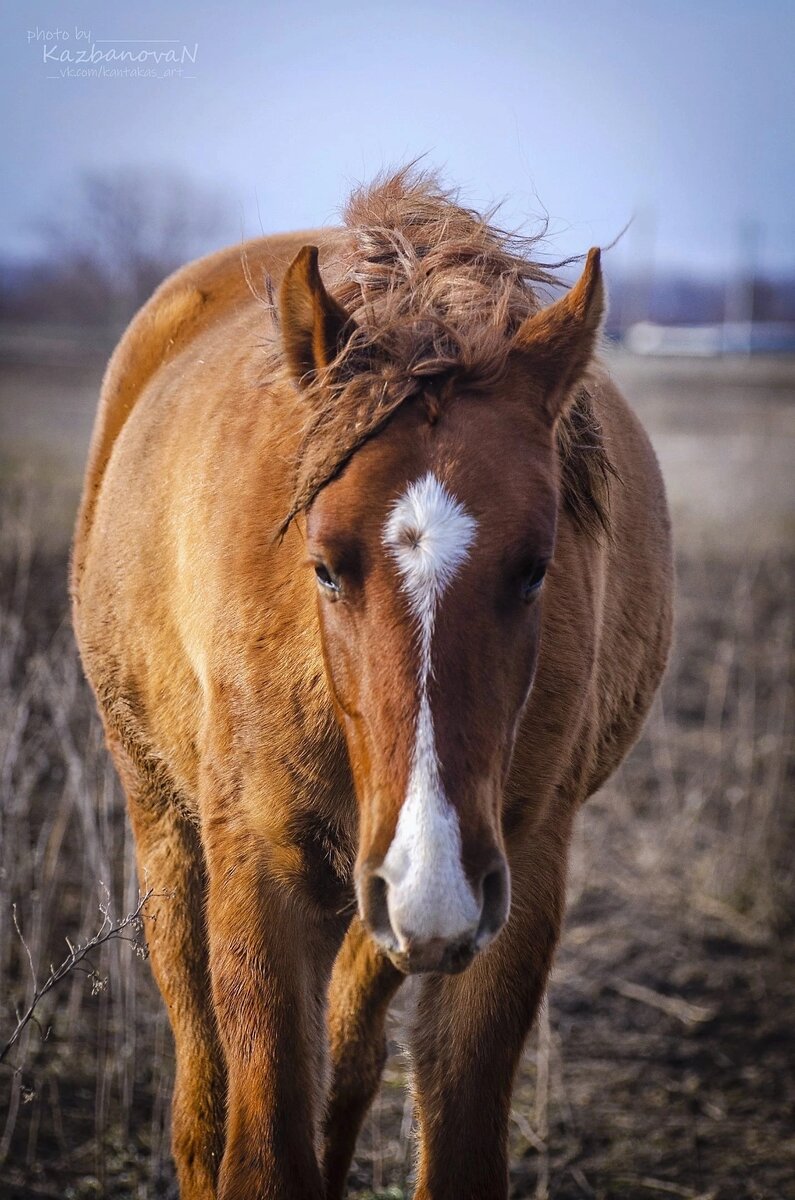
(264, 733)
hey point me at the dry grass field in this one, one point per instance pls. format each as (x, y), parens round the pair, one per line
(662, 1064)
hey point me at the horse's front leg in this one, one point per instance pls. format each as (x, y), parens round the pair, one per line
(362, 984)
(271, 954)
(469, 1034)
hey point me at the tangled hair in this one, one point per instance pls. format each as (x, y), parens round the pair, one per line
(435, 293)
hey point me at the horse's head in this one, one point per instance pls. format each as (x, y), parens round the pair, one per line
(430, 548)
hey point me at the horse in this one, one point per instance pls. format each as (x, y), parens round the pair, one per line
(372, 582)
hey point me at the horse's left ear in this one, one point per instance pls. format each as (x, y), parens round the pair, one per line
(558, 342)
(314, 326)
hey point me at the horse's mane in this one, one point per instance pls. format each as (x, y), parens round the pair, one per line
(436, 291)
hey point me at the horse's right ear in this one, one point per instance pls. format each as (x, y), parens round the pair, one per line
(314, 326)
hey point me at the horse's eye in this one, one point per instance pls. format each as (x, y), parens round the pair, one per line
(326, 579)
(531, 581)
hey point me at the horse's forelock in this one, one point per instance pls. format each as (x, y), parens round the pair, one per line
(436, 292)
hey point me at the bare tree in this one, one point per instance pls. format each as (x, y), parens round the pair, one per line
(120, 234)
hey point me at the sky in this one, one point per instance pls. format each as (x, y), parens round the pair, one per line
(677, 113)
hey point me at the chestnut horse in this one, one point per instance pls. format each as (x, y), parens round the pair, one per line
(373, 586)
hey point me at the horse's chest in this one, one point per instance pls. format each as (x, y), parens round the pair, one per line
(327, 853)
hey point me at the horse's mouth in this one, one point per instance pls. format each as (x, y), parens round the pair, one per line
(451, 959)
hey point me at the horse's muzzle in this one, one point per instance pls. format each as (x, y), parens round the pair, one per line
(444, 940)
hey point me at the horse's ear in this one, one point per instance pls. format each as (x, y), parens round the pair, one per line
(314, 326)
(558, 342)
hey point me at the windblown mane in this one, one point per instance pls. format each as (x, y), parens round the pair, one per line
(436, 293)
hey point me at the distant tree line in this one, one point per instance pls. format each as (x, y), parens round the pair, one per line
(673, 299)
(110, 245)
(121, 232)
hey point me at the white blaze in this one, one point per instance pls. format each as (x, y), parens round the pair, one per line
(428, 533)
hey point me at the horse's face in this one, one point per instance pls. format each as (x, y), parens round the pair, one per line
(430, 551)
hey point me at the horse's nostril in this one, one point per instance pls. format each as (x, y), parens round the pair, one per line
(375, 911)
(496, 900)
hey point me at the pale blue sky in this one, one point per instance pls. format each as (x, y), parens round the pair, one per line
(678, 111)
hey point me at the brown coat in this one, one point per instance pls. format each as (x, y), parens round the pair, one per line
(232, 711)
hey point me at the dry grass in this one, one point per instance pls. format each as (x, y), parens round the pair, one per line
(85, 1100)
(662, 1065)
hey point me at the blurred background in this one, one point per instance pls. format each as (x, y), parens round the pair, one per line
(136, 139)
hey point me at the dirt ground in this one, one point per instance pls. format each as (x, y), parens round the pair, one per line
(663, 1062)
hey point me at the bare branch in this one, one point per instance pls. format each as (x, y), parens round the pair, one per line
(26, 948)
(77, 955)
